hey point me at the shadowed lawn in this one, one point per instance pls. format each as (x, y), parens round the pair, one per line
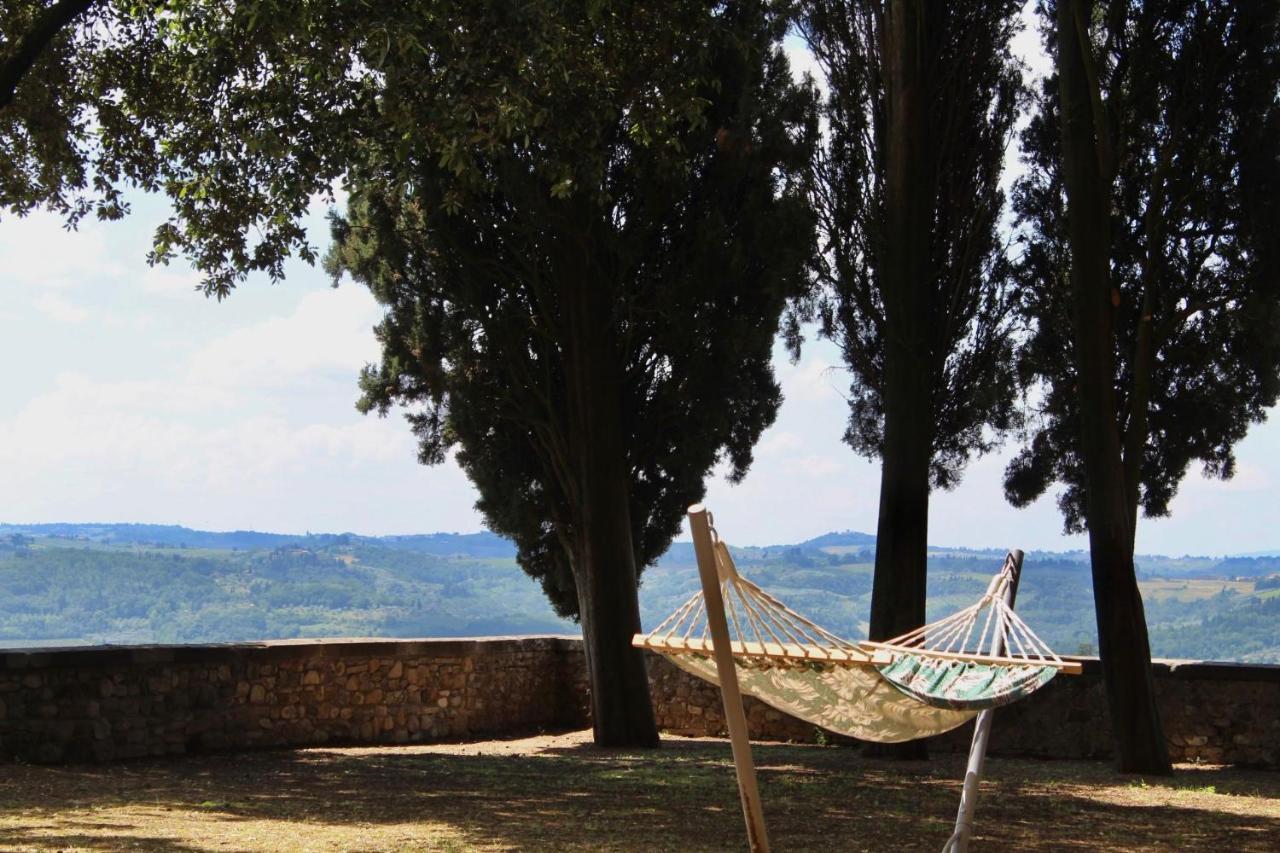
(558, 793)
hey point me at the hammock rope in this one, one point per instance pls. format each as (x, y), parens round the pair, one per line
(758, 624)
(950, 636)
(938, 665)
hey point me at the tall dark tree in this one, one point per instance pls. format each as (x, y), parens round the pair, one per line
(628, 178)
(1150, 274)
(922, 102)
(589, 317)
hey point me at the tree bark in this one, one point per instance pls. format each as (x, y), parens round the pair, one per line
(603, 557)
(1122, 629)
(902, 530)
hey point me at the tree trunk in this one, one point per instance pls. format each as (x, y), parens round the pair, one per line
(899, 584)
(902, 530)
(603, 558)
(1122, 627)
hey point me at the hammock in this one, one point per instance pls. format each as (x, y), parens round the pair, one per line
(788, 662)
(941, 664)
(925, 682)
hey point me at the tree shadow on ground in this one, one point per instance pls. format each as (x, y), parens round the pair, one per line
(577, 797)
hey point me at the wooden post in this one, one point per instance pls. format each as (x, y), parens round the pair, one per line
(959, 840)
(704, 549)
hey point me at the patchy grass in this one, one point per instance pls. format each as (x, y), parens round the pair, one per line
(558, 793)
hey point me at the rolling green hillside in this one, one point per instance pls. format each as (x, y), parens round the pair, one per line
(76, 584)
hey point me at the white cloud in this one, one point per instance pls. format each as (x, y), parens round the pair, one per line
(38, 253)
(167, 281)
(59, 309)
(239, 415)
(152, 451)
(1249, 478)
(778, 443)
(803, 61)
(181, 410)
(818, 378)
(817, 466)
(253, 428)
(330, 330)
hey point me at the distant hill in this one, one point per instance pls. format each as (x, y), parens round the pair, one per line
(168, 535)
(486, 545)
(480, 545)
(842, 539)
(483, 544)
(67, 584)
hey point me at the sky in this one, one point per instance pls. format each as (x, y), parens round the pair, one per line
(130, 397)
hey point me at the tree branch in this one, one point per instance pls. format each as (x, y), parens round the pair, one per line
(1102, 140)
(27, 48)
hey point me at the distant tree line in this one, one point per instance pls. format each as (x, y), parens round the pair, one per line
(56, 593)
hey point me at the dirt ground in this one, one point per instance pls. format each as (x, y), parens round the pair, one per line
(559, 793)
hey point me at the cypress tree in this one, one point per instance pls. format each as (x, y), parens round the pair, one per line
(1150, 230)
(586, 315)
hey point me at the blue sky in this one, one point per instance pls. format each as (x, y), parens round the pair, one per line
(131, 397)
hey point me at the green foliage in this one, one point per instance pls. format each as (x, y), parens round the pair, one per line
(1226, 627)
(657, 159)
(64, 591)
(239, 113)
(1189, 97)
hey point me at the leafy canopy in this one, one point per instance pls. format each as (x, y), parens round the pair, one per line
(658, 156)
(244, 113)
(1189, 97)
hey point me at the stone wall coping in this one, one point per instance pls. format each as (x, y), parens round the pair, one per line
(1207, 670)
(328, 647)
(292, 649)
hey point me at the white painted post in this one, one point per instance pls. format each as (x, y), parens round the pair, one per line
(704, 549)
(959, 840)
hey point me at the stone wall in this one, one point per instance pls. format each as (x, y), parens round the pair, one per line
(98, 704)
(1212, 712)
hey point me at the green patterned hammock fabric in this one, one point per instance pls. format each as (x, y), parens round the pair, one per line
(923, 683)
(964, 685)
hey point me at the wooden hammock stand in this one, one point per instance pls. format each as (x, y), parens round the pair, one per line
(796, 637)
